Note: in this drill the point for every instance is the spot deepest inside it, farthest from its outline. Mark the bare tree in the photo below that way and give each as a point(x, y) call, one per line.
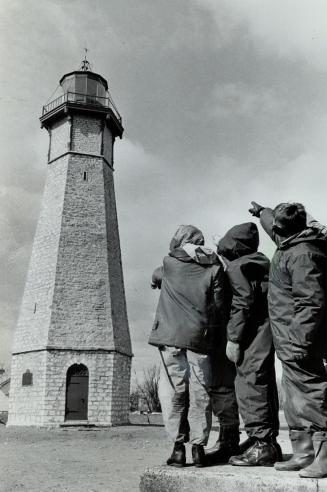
point(148, 388)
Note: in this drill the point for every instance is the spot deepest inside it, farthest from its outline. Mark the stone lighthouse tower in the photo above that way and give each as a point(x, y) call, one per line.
point(72, 351)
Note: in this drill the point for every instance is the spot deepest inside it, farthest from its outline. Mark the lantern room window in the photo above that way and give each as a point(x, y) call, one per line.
point(91, 87)
point(80, 84)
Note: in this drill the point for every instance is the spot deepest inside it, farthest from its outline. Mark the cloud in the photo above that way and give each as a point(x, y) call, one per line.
point(223, 102)
point(284, 28)
point(238, 99)
point(213, 198)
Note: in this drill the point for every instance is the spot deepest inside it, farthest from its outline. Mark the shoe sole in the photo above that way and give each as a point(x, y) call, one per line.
point(250, 464)
point(313, 476)
point(176, 465)
point(294, 468)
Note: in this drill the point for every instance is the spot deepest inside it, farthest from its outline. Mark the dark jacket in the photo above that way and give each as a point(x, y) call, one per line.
point(297, 292)
point(247, 271)
point(191, 303)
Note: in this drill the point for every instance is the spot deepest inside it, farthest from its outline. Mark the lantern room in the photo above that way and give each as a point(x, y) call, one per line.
point(85, 86)
point(83, 91)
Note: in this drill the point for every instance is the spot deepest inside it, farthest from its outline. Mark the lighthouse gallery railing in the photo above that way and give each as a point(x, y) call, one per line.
point(78, 98)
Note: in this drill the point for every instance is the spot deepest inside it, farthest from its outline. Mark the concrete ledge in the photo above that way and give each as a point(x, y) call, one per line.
point(226, 479)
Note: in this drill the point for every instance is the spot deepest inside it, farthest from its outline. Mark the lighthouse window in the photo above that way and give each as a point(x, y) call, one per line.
point(91, 87)
point(80, 84)
point(101, 91)
point(27, 379)
point(85, 176)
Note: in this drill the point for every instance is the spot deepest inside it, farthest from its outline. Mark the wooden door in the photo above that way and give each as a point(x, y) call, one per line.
point(77, 388)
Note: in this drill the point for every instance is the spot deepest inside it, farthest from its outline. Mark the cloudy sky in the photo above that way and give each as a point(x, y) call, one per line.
point(223, 102)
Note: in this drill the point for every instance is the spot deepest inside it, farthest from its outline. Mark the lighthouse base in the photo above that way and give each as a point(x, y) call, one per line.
point(54, 387)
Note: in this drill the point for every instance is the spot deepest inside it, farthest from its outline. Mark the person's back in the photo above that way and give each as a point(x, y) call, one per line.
point(250, 345)
point(297, 307)
point(187, 312)
point(191, 281)
point(291, 282)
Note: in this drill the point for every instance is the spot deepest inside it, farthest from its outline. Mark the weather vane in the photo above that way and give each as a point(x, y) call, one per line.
point(86, 66)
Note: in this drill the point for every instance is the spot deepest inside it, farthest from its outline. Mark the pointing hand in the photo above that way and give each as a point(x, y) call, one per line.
point(256, 209)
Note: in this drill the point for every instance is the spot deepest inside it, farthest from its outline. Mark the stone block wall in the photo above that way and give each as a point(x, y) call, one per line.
point(26, 403)
point(59, 138)
point(116, 279)
point(83, 134)
point(36, 308)
point(100, 367)
point(43, 403)
point(108, 145)
point(88, 308)
point(121, 389)
point(74, 293)
point(86, 134)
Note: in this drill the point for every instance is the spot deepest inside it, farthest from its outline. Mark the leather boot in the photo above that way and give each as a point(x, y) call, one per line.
point(246, 445)
point(198, 455)
point(318, 468)
point(226, 445)
point(303, 452)
point(178, 456)
point(261, 453)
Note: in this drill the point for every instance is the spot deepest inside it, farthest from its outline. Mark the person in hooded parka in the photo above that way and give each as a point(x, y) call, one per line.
point(250, 345)
point(297, 308)
point(188, 316)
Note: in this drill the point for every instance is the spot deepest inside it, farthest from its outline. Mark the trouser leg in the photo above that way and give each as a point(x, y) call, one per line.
point(255, 385)
point(305, 390)
point(273, 400)
point(174, 393)
point(200, 413)
point(222, 391)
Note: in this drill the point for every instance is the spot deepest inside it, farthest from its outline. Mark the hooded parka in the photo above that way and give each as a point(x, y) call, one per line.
point(189, 313)
point(191, 304)
point(256, 390)
point(297, 308)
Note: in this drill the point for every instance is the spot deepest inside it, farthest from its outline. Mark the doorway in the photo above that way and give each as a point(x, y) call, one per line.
point(77, 389)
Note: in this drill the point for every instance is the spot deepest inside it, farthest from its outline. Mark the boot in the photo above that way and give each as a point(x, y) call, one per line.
point(246, 445)
point(261, 453)
point(303, 452)
point(178, 456)
point(225, 447)
point(318, 468)
point(198, 455)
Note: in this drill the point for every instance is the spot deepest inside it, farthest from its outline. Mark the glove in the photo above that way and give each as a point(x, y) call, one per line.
point(233, 351)
point(156, 278)
point(256, 209)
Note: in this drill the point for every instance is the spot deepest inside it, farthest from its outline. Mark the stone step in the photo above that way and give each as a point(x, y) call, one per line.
point(226, 478)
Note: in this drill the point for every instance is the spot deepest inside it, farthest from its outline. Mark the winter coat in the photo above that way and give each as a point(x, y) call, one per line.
point(191, 304)
point(297, 292)
point(247, 271)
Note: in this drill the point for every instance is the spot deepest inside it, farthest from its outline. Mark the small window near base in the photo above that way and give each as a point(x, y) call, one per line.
point(27, 379)
point(85, 176)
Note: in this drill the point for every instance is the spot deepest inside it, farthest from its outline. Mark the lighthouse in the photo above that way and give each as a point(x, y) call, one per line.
point(71, 360)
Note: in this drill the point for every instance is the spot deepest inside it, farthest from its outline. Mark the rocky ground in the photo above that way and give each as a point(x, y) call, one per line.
point(83, 460)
